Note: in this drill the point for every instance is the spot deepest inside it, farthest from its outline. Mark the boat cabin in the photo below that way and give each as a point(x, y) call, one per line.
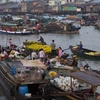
point(12, 28)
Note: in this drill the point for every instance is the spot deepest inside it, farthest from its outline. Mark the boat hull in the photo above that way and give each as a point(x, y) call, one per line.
point(68, 32)
point(15, 33)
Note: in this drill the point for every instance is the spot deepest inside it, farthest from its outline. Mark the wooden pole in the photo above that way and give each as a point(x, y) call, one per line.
point(94, 89)
point(71, 85)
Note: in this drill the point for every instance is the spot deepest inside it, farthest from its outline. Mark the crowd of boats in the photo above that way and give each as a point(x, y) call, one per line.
point(30, 24)
point(25, 76)
point(28, 78)
point(35, 24)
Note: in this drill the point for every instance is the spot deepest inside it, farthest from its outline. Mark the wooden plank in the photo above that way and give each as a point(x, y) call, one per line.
point(33, 63)
point(71, 98)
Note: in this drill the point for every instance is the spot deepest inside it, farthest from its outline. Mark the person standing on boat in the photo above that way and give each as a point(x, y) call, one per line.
point(59, 52)
point(80, 46)
point(41, 40)
point(53, 46)
point(37, 28)
point(34, 55)
point(41, 55)
point(11, 44)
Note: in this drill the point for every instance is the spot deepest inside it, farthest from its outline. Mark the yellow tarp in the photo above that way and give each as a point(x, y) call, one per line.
point(93, 53)
point(90, 53)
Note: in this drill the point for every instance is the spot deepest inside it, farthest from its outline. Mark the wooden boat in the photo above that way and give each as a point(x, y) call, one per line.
point(13, 29)
point(85, 53)
point(22, 85)
point(27, 88)
point(90, 78)
point(87, 81)
point(61, 28)
point(68, 32)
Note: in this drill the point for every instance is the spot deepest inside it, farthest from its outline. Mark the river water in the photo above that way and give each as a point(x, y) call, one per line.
point(88, 35)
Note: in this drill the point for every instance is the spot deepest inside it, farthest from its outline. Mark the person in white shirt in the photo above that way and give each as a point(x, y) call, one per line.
point(17, 54)
point(41, 55)
point(34, 55)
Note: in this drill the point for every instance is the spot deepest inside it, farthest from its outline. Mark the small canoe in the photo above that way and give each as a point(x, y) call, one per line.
point(85, 53)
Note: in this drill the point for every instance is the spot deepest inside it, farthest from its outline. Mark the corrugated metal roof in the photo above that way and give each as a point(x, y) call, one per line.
point(93, 2)
point(80, 0)
point(32, 0)
point(71, 4)
point(14, 6)
point(96, 1)
point(10, 5)
point(91, 78)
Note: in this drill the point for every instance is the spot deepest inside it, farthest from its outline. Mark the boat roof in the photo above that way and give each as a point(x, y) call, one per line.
point(7, 24)
point(32, 19)
point(16, 18)
point(89, 77)
point(33, 63)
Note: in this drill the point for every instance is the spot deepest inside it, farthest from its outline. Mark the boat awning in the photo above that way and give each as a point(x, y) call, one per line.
point(33, 63)
point(91, 78)
point(33, 19)
point(16, 18)
point(8, 24)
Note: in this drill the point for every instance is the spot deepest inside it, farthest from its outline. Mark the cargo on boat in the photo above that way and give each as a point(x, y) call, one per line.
point(85, 53)
point(59, 27)
point(25, 79)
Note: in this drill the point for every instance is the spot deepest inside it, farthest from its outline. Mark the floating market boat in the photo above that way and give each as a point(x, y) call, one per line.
point(90, 78)
point(85, 53)
point(62, 28)
point(22, 80)
point(13, 29)
point(80, 84)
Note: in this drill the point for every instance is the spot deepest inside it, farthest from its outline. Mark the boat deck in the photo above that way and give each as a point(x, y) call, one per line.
point(4, 96)
point(57, 92)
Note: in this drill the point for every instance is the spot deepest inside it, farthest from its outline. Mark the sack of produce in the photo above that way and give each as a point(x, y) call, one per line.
point(97, 53)
point(75, 47)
